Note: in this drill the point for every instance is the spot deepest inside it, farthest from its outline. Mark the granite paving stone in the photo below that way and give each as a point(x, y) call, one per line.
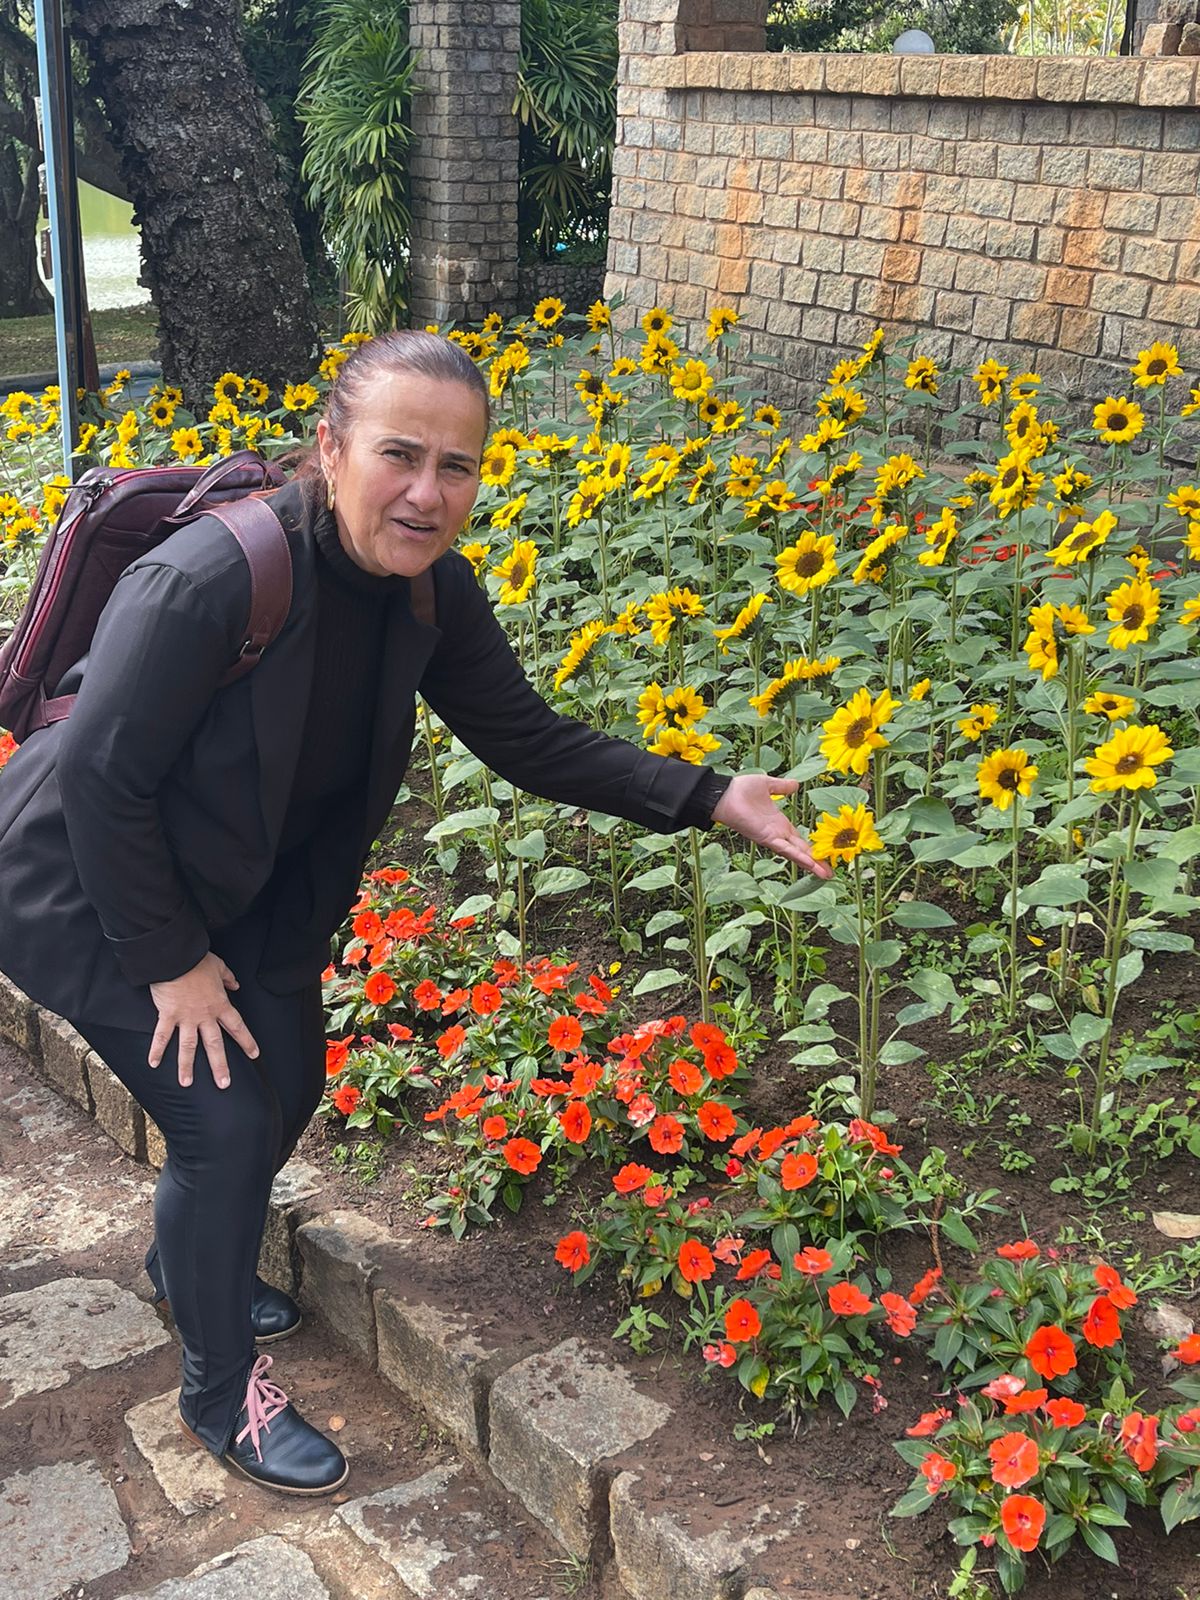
point(69, 1322)
point(262, 1569)
point(59, 1525)
point(191, 1479)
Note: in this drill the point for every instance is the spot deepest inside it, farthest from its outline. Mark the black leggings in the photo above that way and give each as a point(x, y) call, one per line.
point(224, 1147)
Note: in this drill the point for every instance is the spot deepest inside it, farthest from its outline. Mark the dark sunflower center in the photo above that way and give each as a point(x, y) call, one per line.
point(1128, 763)
point(1011, 478)
point(809, 564)
point(845, 840)
point(1010, 778)
point(857, 732)
point(519, 573)
point(1117, 420)
point(1134, 615)
point(1156, 367)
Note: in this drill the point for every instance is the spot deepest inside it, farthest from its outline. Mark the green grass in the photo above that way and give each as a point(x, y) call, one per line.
point(125, 334)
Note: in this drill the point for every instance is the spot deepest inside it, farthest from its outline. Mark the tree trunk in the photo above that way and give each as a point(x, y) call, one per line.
point(219, 249)
point(22, 293)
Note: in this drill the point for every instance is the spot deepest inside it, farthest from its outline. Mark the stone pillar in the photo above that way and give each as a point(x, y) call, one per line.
point(722, 24)
point(465, 164)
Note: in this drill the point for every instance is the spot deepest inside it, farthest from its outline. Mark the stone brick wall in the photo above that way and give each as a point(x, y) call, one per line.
point(464, 169)
point(576, 286)
point(1043, 211)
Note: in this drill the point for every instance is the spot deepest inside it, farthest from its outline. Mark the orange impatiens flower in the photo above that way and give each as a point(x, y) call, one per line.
point(1014, 1459)
point(631, 1177)
point(379, 988)
point(494, 1127)
point(1050, 1352)
point(575, 1121)
point(1065, 1413)
point(1022, 1518)
point(565, 1033)
point(666, 1134)
point(812, 1261)
point(845, 1300)
point(1109, 1280)
point(1102, 1326)
point(572, 1251)
point(336, 1053)
point(924, 1286)
point(742, 1322)
point(1188, 1350)
point(716, 1120)
point(685, 1078)
point(451, 1041)
point(695, 1261)
point(427, 996)
point(523, 1155)
point(937, 1470)
point(720, 1060)
point(901, 1314)
point(797, 1171)
point(928, 1423)
point(756, 1262)
point(346, 1098)
point(486, 998)
point(1139, 1440)
point(1016, 1405)
point(1019, 1250)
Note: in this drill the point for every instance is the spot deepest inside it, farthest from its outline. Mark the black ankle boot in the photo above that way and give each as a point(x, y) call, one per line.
point(273, 1314)
point(273, 1446)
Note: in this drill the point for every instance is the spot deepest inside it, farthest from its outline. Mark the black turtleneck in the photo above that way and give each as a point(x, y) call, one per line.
point(351, 618)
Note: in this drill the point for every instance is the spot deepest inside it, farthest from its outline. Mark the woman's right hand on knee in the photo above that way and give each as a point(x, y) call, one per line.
point(198, 1006)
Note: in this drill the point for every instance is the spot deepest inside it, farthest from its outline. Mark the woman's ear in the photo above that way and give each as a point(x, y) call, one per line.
point(327, 449)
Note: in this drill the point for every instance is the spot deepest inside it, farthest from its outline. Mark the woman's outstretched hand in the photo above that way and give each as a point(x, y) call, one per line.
point(198, 1005)
point(748, 807)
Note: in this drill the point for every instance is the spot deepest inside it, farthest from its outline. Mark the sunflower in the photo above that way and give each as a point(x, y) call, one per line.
point(701, 475)
point(229, 386)
point(920, 690)
point(626, 624)
point(510, 436)
point(777, 691)
point(1191, 540)
point(548, 311)
point(808, 564)
point(939, 536)
point(1049, 626)
point(585, 502)
point(827, 433)
point(852, 733)
point(663, 609)
point(257, 392)
point(598, 316)
point(1017, 485)
point(657, 321)
point(989, 378)
point(846, 836)
point(54, 494)
point(652, 709)
point(656, 478)
point(330, 365)
point(730, 419)
point(1070, 483)
point(1003, 776)
point(1192, 405)
point(1139, 559)
point(1022, 425)
point(476, 553)
point(770, 417)
point(1118, 421)
point(1128, 759)
point(744, 477)
point(843, 403)
point(491, 324)
point(873, 348)
point(685, 744)
point(1185, 500)
point(161, 412)
point(299, 397)
point(1155, 365)
point(872, 564)
point(517, 573)
point(498, 465)
point(1024, 386)
point(504, 516)
point(777, 497)
point(1083, 539)
point(845, 371)
point(1116, 707)
point(745, 625)
point(710, 410)
point(922, 374)
point(1191, 611)
point(720, 320)
point(579, 648)
point(622, 367)
point(982, 717)
point(186, 444)
point(1134, 608)
point(691, 381)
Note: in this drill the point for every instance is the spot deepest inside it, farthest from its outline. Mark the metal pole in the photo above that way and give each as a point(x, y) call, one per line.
point(62, 201)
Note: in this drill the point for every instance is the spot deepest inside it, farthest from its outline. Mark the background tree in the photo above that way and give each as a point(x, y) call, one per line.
point(957, 27)
point(219, 249)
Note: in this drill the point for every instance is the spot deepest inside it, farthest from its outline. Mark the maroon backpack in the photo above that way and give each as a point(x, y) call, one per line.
point(108, 520)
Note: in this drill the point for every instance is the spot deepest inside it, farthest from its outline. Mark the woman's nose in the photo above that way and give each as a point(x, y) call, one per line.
point(424, 491)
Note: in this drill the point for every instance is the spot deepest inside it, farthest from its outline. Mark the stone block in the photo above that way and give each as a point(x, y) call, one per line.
point(556, 1419)
point(261, 1569)
point(1179, 218)
point(1189, 39)
point(1079, 331)
point(1169, 83)
point(1067, 288)
point(1066, 167)
point(1117, 80)
point(1092, 248)
point(19, 1020)
point(340, 1254)
point(1010, 77)
point(1161, 39)
point(1131, 213)
point(115, 1109)
point(960, 77)
point(660, 1555)
point(806, 73)
point(844, 74)
point(297, 1187)
point(920, 76)
point(1172, 174)
point(1114, 293)
point(191, 1479)
point(1177, 304)
point(1150, 258)
point(1115, 169)
point(59, 1526)
point(64, 1053)
point(1062, 78)
point(70, 1322)
point(881, 75)
point(1036, 324)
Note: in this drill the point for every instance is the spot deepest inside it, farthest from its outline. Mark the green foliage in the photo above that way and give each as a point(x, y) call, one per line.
point(972, 27)
point(567, 106)
point(355, 109)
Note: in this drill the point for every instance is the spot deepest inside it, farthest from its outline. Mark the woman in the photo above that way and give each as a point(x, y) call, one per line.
point(177, 855)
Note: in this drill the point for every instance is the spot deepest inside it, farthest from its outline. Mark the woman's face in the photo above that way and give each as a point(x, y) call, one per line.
point(408, 473)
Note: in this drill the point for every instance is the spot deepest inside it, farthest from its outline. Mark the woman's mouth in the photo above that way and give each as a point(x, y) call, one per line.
point(416, 530)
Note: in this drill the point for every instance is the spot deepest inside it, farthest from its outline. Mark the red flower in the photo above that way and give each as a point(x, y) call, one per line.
point(572, 1251)
point(901, 1316)
point(599, 988)
point(575, 1121)
point(724, 1355)
point(685, 1078)
point(336, 1053)
point(1017, 1405)
point(1121, 1295)
point(720, 1061)
point(522, 1155)
point(346, 1098)
point(867, 1132)
point(399, 1032)
point(1019, 1250)
point(655, 1194)
point(754, 1263)
point(452, 1000)
point(770, 1142)
point(451, 1040)
point(486, 998)
point(1050, 1352)
point(742, 1322)
point(847, 1301)
point(717, 1121)
point(642, 1110)
point(505, 972)
point(368, 925)
point(1022, 1518)
point(812, 1261)
point(937, 1470)
point(632, 1176)
point(924, 1287)
point(1065, 1413)
point(728, 1250)
point(565, 1033)
point(427, 996)
point(801, 1127)
point(733, 1168)
point(1188, 1350)
point(1139, 1439)
point(586, 1077)
point(379, 988)
point(1003, 1387)
point(1102, 1326)
point(587, 1004)
point(666, 1134)
point(705, 1034)
point(929, 1422)
point(797, 1171)
point(389, 875)
point(494, 1127)
point(1014, 1459)
point(695, 1261)
point(745, 1142)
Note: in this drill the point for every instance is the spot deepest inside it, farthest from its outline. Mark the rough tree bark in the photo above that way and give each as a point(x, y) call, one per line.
point(21, 291)
point(219, 249)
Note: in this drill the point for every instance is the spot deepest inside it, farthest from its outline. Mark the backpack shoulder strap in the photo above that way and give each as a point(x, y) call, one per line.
point(422, 598)
point(260, 533)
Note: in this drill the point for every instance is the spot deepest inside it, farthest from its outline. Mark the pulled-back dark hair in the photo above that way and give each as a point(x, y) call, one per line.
point(404, 350)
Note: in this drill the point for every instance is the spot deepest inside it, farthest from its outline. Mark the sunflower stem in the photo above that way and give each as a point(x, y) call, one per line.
point(1014, 881)
point(866, 1074)
point(699, 924)
point(1116, 939)
point(435, 779)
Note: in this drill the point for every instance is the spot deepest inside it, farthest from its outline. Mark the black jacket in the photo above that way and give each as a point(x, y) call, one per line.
point(152, 816)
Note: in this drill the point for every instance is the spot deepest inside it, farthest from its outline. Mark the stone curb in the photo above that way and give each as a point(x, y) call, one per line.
point(548, 1425)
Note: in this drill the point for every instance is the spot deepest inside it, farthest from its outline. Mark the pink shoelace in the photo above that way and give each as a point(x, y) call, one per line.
point(264, 1401)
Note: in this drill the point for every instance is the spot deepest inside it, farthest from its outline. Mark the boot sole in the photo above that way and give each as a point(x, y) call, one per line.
point(163, 1307)
point(262, 1483)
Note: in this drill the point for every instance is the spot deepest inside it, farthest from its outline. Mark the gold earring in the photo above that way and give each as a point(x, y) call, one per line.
point(329, 494)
